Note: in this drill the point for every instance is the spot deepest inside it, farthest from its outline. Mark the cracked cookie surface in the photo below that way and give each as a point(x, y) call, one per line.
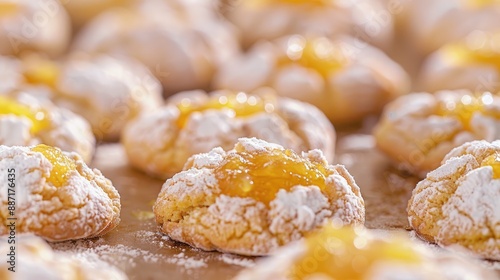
point(160, 142)
point(360, 254)
point(416, 131)
point(457, 204)
point(238, 202)
point(57, 196)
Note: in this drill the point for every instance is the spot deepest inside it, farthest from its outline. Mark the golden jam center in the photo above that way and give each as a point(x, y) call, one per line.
point(345, 253)
point(260, 175)
point(481, 3)
point(39, 118)
point(461, 54)
point(9, 9)
point(465, 108)
point(38, 70)
point(62, 166)
point(239, 105)
point(319, 54)
point(493, 161)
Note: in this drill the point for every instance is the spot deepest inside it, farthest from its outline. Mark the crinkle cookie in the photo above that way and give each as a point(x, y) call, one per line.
point(57, 196)
point(431, 24)
point(473, 63)
point(36, 260)
point(345, 78)
point(270, 19)
point(40, 26)
point(255, 198)
point(417, 130)
point(358, 254)
point(107, 91)
point(457, 204)
point(27, 118)
point(160, 142)
point(181, 42)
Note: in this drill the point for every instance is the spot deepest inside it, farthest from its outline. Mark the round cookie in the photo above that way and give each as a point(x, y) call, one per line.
point(33, 26)
point(255, 198)
point(181, 42)
point(456, 205)
point(473, 63)
point(107, 91)
point(160, 142)
point(431, 24)
point(345, 78)
point(271, 19)
point(359, 254)
point(416, 131)
point(27, 117)
point(57, 196)
point(36, 260)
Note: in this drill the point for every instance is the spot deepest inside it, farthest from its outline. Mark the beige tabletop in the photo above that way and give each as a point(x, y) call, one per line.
point(137, 248)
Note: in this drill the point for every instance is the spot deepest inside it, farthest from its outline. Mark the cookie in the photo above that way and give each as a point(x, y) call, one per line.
point(456, 204)
point(106, 91)
point(28, 118)
point(416, 131)
point(181, 42)
point(473, 63)
point(57, 197)
point(269, 19)
point(36, 260)
point(255, 198)
point(345, 78)
point(160, 142)
point(357, 253)
point(432, 24)
point(27, 26)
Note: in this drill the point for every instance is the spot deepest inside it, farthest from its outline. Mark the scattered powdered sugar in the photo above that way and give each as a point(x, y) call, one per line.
point(187, 262)
point(96, 251)
point(235, 260)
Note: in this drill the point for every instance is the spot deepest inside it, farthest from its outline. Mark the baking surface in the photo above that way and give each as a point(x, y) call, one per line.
point(137, 248)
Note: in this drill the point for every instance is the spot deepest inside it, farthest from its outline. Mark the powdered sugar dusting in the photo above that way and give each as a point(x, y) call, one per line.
point(456, 205)
point(256, 145)
point(191, 209)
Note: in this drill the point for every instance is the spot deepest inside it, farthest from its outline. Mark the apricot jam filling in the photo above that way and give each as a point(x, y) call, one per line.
point(62, 166)
point(320, 54)
point(461, 54)
point(260, 175)
point(38, 117)
point(494, 162)
point(348, 253)
point(9, 9)
point(240, 105)
point(38, 70)
point(478, 4)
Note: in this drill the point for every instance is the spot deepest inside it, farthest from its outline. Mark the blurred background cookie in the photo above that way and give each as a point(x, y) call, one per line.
point(28, 117)
point(182, 43)
point(160, 142)
point(417, 130)
point(39, 26)
point(345, 78)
